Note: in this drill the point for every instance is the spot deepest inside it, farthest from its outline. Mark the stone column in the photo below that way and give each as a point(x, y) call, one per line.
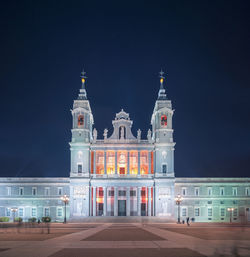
point(153, 202)
point(116, 162)
point(105, 201)
point(94, 201)
point(90, 201)
point(139, 163)
point(149, 162)
point(139, 201)
point(128, 164)
point(115, 201)
point(128, 201)
point(94, 162)
point(105, 163)
point(156, 200)
point(149, 201)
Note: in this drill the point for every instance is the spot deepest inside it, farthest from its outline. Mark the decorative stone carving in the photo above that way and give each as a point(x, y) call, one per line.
point(122, 133)
point(149, 136)
point(139, 135)
point(80, 191)
point(105, 134)
point(94, 135)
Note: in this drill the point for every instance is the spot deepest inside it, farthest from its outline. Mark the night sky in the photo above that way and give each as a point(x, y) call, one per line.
point(203, 45)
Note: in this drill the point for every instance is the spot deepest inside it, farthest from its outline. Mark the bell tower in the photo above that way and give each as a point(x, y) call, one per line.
point(81, 132)
point(161, 122)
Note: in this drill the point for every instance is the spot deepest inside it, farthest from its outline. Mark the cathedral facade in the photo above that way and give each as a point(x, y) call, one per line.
point(122, 174)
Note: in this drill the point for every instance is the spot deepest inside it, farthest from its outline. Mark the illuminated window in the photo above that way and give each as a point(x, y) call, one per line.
point(59, 212)
point(20, 190)
point(209, 212)
point(99, 162)
point(234, 191)
point(59, 190)
point(79, 168)
point(34, 191)
point(20, 212)
point(164, 169)
point(80, 121)
point(46, 211)
point(144, 162)
point(46, 191)
point(163, 120)
point(152, 162)
point(122, 162)
point(33, 212)
point(132, 193)
point(110, 155)
point(184, 211)
point(197, 212)
point(197, 191)
point(133, 162)
point(8, 212)
point(222, 212)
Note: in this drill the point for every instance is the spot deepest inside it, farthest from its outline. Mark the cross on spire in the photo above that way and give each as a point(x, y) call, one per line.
point(83, 74)
point(161, 74)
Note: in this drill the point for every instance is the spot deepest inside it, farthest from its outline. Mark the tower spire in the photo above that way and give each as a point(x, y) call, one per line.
point(83, 94)
point(162, 92)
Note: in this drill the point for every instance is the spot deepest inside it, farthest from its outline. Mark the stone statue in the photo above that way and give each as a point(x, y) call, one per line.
point(122, 133)
point(94, 135)
point(139, 135)
point(105, 134)
point(149, 135)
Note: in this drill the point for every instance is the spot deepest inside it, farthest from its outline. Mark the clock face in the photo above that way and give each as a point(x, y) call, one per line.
point(163, 120)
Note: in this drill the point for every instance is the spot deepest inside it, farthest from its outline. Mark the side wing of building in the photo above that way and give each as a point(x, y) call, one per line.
point(214, 199)
point(33, 197)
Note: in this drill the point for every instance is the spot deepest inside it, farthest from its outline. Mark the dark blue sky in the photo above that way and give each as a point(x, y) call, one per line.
point(204, 46)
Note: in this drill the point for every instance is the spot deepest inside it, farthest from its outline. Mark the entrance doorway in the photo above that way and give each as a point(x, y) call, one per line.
point(100, 209)
point(122, 171)
point(143, 209)
point(121, 207)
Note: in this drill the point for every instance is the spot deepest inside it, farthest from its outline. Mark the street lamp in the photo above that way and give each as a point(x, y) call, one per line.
point(178, 201)
point(14, 210)
point(231, 213)
point(65, 199)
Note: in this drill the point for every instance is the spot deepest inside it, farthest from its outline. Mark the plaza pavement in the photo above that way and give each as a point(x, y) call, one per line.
point(133, 240)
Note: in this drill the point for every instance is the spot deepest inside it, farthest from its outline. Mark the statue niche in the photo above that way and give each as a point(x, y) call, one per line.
point(122, 133)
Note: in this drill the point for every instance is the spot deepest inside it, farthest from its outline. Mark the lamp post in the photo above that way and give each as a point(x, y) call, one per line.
point(14, 210)
point(231, 213)
point(178, 201)
point(65, 199)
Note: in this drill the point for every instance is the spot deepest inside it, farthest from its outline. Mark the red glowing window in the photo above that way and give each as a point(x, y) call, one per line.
point(80, 120)
point(164, 120)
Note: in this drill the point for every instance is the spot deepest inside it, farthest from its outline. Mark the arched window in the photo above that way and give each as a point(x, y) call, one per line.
point(80, 120)
point(164, 120)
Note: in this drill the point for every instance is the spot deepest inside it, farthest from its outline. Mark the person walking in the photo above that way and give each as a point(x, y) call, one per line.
point(188, 224)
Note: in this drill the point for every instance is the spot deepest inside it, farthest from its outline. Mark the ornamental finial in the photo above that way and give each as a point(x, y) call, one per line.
point(83, 77)
point(162, 77)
